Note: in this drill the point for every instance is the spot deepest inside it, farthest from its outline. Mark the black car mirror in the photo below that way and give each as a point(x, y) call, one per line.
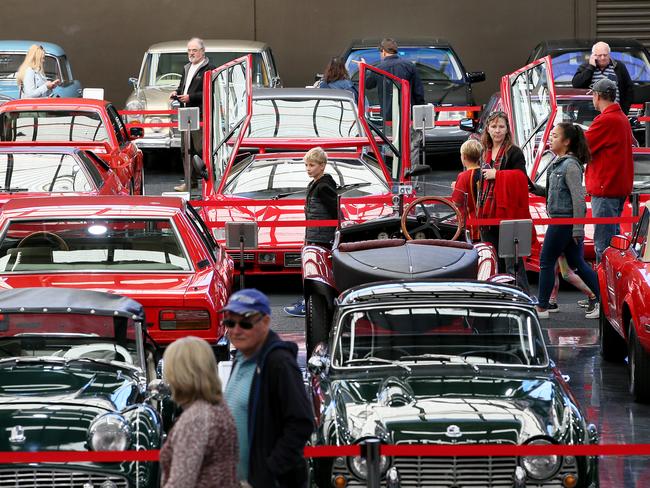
point(467, 124)
point(276, 82)
point(476, 76)
point(199, 166)
point(134, 82)
point(136, 132)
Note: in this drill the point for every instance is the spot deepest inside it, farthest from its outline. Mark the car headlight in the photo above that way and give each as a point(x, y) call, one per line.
point(452, 115)
point(109, 432)
point(541, 467)
point(135, 105)
point(359, 467)
point(156, 120)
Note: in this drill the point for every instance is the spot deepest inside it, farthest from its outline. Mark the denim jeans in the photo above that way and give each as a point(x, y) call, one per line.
point(605, 207)
point(559, 239)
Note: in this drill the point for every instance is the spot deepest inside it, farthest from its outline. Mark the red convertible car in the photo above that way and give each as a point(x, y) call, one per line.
point(624, 278)
point(40, 169)
point(95, 123)
point(256, 141)
point(155, 250)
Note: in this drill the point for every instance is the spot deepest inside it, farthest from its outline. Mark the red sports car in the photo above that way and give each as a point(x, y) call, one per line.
point(624, 278)
point(256, 141)
point(40, 169)
point(95, 123)
point(155, 250)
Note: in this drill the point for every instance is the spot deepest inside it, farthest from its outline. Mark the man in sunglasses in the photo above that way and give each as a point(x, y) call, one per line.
point(266, 396)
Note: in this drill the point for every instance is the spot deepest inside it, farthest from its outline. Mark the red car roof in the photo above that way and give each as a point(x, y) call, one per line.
point(54, 104)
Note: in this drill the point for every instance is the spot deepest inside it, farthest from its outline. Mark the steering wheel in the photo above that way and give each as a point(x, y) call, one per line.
point(48, 236)
point(495, 355)
point(89, 351)
point(376, 352)
point(175, 76)
point(430, 221)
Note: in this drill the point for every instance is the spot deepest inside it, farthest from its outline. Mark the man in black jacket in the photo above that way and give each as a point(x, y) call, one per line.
point(266, 396)
point(601, 65)
point(190, 93)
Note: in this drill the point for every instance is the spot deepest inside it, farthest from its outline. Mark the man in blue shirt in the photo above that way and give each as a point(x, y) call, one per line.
point(266, 396)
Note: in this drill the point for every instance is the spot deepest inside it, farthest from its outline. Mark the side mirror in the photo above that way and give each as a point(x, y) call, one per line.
point(134, 82)
point(276, 82)
point(318, 77)
point(158, 390)
point(476, 76)
point(467, 124)
point(418, 170)
point(318, 365)
point(136, 132)
point(199, 167)
point(622, 243)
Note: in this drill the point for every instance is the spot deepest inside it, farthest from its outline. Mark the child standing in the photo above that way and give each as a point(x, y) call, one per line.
point(464, 194)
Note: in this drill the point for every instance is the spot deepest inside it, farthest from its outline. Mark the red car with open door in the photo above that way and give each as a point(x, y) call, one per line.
point(94, 123)
point(255, 141)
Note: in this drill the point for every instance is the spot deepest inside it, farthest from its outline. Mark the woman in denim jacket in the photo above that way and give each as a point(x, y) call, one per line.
point(565, 197)
point(31, 78)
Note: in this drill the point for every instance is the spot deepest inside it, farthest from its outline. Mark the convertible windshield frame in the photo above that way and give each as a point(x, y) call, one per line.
point(532, 342)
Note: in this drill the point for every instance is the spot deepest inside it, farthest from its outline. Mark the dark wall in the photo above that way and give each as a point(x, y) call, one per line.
point(105, 39)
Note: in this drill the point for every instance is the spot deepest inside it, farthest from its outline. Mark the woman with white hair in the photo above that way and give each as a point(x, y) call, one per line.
point(31, 78)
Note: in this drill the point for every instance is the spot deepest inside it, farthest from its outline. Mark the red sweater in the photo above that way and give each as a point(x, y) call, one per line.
point(464, 196)
point(611, 170)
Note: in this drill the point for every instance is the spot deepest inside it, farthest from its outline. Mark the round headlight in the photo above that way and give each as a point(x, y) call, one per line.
point(109, 432)
point(359, 467)
point(135, 105)
point(541, 467)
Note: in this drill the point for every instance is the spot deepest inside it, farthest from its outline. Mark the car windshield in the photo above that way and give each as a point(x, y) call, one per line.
point(566, 63)
point(67, 337)
point(265, 178)
point(84, 245)
point(53, 125)
point(304, 118)
point(10, 62)
point(576, 111)
point(439, 334)
point(164, 70)
point(42, 172)
point(433, 64)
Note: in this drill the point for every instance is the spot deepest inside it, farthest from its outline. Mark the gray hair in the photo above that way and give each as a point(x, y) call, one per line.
point(601, 43)
point(199, 41)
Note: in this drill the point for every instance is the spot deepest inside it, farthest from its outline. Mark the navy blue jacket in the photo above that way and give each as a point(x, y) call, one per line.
point(401, 68)
point(280, 418)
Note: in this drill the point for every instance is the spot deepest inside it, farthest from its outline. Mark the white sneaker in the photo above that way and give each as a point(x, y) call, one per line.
point(594, 313)
point(541, 314)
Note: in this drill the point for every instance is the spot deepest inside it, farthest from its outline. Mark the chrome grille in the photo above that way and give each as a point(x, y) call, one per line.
point(46, 478)
point(248, 256)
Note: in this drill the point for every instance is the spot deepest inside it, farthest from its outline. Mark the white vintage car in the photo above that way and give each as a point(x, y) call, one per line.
point(160, 74)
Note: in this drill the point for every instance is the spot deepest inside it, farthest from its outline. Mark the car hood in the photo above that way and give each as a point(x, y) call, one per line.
point(55, 405)
point(155, 98)
point(458, 409)
point(445, 92)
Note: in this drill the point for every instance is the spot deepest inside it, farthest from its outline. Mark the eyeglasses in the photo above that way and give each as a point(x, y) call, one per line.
point(243, 324)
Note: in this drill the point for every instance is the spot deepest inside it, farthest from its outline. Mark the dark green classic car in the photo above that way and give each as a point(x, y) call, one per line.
point(74, 372)
point(426, 362)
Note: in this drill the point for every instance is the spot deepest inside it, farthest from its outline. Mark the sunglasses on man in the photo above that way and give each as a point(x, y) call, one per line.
point(246, 324)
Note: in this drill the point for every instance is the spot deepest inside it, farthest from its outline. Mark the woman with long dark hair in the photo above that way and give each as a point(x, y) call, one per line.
point(565, 197)
point(337, 76)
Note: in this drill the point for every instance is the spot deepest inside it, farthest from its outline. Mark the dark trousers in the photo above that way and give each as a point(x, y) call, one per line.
point(506, 265)
point(196, 148)
point(557, 241)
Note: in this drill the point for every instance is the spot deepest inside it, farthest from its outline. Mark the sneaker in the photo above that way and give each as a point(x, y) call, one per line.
point(296, 310)
point(553, 307)
point(593, 310)
point(541, 313)
point(583, 303)
point(182, 187)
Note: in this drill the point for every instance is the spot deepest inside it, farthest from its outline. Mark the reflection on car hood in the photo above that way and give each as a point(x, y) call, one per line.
point(422, 409)
point(55, 405)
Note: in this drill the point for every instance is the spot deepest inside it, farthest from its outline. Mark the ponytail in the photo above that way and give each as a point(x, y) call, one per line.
point(577, 141)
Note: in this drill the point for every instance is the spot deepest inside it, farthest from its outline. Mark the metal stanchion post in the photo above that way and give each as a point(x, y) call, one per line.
point(186, 160)
point(647, 124)
point(370, 452)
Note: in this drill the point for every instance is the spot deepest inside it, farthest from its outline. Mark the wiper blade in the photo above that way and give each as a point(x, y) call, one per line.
point(373, 359)
point(288, 193)
point(350, 186)
point(443, 359)
point(14, 189)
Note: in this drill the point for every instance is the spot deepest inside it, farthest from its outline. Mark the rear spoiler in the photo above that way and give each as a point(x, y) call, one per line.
point(77, 144)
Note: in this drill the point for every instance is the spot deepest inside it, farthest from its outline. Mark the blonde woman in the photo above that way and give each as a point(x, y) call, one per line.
point(31, 79)
point(201, 449)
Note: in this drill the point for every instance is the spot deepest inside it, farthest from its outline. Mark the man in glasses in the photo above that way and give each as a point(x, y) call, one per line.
point(266, 396)
point(190, 94)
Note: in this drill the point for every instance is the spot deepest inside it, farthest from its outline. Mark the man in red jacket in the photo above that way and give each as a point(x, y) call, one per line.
point(610, 174)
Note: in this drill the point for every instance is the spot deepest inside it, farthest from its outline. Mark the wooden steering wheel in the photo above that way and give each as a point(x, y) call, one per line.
point(43, 234)
point(431, 222)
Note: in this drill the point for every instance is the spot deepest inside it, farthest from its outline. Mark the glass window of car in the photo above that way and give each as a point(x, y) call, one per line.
point(54, 125)
point(66, 71)
point(42, 172)
point(304, 118)
point(202, 231)
point(641, 234)
point(268, 178)
point(10, 63)
point(566, 63)
point(432, 63)
point(576, 111)
point(451, 334)
point(118, 125)
point(139, 245)
point(96, 169)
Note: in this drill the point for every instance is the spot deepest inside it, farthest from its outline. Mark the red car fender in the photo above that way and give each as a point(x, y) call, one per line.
point(602, 285)
point(317, 267)
point(487, 260)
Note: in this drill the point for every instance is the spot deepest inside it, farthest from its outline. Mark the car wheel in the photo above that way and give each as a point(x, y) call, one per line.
point(316, 322)
point(639, 361)
point(612, 345)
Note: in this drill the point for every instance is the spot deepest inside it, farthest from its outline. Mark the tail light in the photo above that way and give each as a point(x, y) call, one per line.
point(184, 319)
